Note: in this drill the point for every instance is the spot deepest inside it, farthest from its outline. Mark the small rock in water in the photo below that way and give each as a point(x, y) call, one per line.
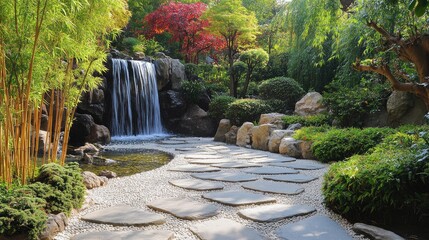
point(108, 174)
point(100, 161)
point(87, 159)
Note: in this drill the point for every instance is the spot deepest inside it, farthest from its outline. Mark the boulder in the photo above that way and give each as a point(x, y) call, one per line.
point(276, 138)
point(169, 72)
point(196, 122)
point(244, 134)
point(172, 104)
point(54, 225)
point(80, 129)
point(306, 152)
point(98, 134)
point(108, 174)
point(310, 104)
point(87, 148)
point(290, 147)
point(272, 118)
point(204, 101)
point(231, 135)
point(43, 142)
point(44, 122)
point(398, 104)
point(177, 74)
point(261, 136)
point(294, 126)
point(374, 232)
point(87, 158)
point(222, 129)
point(92, 181)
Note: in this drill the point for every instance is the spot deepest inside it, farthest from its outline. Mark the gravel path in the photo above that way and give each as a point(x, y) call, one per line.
point(140, 189)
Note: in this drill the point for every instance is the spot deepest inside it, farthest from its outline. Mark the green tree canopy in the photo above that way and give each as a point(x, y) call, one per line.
point(253, 58)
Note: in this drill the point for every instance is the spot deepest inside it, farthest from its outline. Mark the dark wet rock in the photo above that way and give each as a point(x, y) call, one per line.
point(98, 134)
point(375, 233)
point(108, 174)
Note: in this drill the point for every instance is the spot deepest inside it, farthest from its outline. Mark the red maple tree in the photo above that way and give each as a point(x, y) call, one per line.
point(183, 21)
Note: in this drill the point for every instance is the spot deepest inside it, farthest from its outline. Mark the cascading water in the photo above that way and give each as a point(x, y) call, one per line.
point(135, 105)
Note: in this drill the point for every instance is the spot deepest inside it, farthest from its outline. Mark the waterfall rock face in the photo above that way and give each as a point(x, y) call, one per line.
point(169, 72)
point(134, 99)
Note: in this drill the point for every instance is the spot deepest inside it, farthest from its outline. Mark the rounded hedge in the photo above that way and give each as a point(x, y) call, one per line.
point(219, 105)
point(282, 88)
point(246, 110)
point(192, 90)
point(389, 184)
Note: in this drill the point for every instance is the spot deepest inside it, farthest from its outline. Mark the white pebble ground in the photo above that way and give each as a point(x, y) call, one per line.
point(140, 189)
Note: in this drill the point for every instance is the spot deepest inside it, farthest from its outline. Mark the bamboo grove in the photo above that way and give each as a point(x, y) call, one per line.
point(50, 52)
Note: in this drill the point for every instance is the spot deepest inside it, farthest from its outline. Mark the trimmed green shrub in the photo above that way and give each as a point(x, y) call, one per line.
point(192, 90)
point(277, 106)
point(21, 212)
point(246, 110)
point(389, 184)
point(67, 180)
point(282, 88)
point(339, 144)
point(306, 121)
point(219, 105)
point(351, 105)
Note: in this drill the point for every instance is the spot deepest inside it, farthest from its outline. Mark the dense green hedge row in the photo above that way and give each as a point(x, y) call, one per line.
point(390, 183)
point(306, 121)
point(24, 209)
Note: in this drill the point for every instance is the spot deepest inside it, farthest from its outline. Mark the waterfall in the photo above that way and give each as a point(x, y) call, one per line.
point(135, 105)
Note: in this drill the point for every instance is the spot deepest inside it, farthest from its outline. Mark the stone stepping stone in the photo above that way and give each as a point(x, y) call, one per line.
point(202, 156)
point(224, 229)
point(238, 198)
point(271, 170)
point(294, 178)
point(219, 148)
point(186, 149)
point(185, 208)
point(239, 152)
point(272, 160)
point(172, 142)
point(275, 212)
point(274, 187)
point(301, 165)
point(318, 227)
point(193, 168)
point(235, 165)
point(124, 216)
point(184, 139)
point(225, 176)
point(130, 235)
point(208, 161)
point(197, 185)
point(251, 156)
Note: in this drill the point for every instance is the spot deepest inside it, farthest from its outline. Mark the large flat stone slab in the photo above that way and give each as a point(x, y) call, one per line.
point(131, 235)
point(226, 176)
point(172, 142)
point(124, 216)
point(274, 187)
point(187, 149)
point(268, 170)
point(293, 178)
point(275, 212)
point(225, 229)
point(235, 164)
point(272, 160)
point(318, 227)
point(202, 156)
point(208, 161)
point(197, 185)
point(238, 198)
point(301, 165)
point(185, 208)
point(193, 168)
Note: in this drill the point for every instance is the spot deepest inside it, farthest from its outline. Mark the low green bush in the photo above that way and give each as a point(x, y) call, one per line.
point(66, 183)
point(21, 212)
point(339, 144)
point(281, 88)
point(218, 107)
point(192, 90)
point(277, 106)
point(306, 121)
point(246, 110)
point(389, 184)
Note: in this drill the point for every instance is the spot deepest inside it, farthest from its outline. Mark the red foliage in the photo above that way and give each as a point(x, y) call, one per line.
point(183, 21)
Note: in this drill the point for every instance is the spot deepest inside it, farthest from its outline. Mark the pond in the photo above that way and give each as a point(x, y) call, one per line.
point(128, 162)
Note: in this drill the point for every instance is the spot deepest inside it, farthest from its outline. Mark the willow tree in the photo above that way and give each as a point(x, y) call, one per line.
point(238, 28)
point(400, 50)
point(48, 48)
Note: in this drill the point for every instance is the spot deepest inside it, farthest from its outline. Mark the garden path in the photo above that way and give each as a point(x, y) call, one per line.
point(212, 191)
